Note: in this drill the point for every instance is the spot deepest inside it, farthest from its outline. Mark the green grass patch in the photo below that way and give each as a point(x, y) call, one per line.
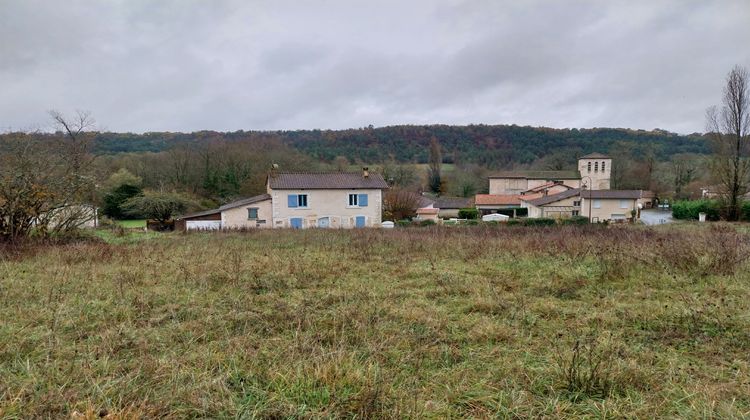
point(132, 224)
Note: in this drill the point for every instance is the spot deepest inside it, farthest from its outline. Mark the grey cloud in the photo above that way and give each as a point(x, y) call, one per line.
point(139, 65)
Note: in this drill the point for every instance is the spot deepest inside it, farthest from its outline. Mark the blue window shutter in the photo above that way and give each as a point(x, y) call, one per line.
point(359, 221)
point(362, 200)
point(296, 223)
point(292, 200)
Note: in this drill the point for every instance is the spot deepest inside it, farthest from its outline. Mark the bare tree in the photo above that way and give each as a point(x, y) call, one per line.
point(728, 129)
point(44, 179)
point(683, 170)
point(400, 204)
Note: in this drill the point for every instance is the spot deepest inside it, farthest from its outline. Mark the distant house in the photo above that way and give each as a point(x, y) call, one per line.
point(249, 213)
point(517, 182)
point(615, 205)
point(594, 170)
point(428, 213)
point(449, 206)
point(510, 203)
point(560, 205)
point(492, 203)
point(326, 199)
point(202, 220)
point(301, 200)
point(559, 194)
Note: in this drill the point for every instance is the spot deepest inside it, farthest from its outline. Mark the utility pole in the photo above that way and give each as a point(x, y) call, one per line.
point(584, 186)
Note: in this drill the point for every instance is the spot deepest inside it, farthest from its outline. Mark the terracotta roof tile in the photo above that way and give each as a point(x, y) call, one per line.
point(497, 200)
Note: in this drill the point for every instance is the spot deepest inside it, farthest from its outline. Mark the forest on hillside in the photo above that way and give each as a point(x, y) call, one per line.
point(491, 146)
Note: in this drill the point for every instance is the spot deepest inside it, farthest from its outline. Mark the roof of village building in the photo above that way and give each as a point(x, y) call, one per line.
point(423, 200)
point(452, 202)
point(547, 186)
point(326, 180)
point(428, 210)
point(233, 204)
point(245, 201)
point(595, 156)
point(502, 199)
point(198, 214)
point(545, 175)
point(547, 199)
point(633, 194)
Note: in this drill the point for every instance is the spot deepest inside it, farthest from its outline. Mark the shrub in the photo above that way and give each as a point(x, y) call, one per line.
point(513, 222)
point(588, 369)
point(468, 213)
point(575, 220)
point(541, 221)
point(403, 222)
point(114, 201)
point(745, 211)
point(427, 223)
point(688, 210)
point(472, 222)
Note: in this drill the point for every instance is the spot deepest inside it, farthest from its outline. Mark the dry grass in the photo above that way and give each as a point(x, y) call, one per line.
point(482, 322)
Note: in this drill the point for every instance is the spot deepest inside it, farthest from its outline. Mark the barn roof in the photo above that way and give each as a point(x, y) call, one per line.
point(245, 201)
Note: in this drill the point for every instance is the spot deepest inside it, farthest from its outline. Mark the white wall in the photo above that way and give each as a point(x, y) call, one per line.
point(236, 218)
point(333, 204)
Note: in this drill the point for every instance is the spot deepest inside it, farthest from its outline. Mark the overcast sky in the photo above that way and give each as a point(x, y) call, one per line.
point(186, 65)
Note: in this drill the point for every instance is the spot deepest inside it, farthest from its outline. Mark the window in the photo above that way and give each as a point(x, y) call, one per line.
point(596, 166)
point(603, 166)
point(575, 213)
point(624, 204)
point(297, 200)
point(589, 166)
point(597, 203)
point(577, 203)
point(357, 200)
point(252, 213)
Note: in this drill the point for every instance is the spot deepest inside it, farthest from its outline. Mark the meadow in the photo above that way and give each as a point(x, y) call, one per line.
point(522, 322)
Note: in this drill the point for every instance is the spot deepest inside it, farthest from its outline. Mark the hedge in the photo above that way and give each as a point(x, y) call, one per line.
point(575, 220)
point(688, 210)
point(468, 213)
point(541, 221)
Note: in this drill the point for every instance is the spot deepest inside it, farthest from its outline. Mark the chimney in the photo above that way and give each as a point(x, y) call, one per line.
point(365, 172)
point(274, 169)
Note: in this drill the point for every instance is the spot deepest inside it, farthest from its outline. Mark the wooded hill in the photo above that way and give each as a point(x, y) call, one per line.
point(493, 146)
